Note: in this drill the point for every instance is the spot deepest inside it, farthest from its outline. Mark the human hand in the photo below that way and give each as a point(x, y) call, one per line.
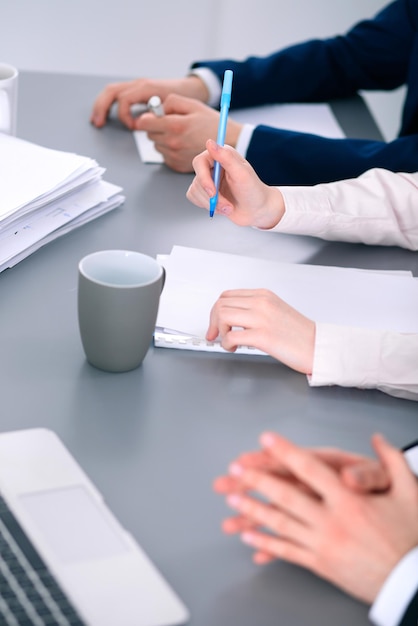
point(359, 473)
point(243, 197)
point(138, 91)
point(260, 319)
point(354, 540)
point(183, 130)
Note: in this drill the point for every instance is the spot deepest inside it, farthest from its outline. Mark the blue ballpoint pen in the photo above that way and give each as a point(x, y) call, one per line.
point(225, 102)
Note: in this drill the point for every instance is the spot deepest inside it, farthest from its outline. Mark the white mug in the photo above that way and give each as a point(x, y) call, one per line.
point(8, 98)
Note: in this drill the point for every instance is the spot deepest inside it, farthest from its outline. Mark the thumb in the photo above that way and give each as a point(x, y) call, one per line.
point(396, 465)
point(367, 476)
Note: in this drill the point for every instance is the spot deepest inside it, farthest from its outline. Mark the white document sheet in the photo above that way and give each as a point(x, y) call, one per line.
point(306, 118)
point(146, 148)
point(195, 279)
point(32, 175)
point(45, 193)
point(33, 231)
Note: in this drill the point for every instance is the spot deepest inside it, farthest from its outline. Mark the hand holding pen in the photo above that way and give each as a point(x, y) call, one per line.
point(225, 103)
point(155, 105)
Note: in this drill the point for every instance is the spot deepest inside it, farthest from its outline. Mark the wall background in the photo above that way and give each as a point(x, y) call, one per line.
point(131, 38)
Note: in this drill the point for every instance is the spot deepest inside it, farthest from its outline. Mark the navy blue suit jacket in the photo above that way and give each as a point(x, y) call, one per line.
point(410, 617)
point(381, 53)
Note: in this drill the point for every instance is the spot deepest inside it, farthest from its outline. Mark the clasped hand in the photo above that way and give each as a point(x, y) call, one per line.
point(259, 318)
point(182, 132)
point(342, 516)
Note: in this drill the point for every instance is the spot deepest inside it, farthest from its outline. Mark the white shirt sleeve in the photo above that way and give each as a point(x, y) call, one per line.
point(401, 585)
point(379, 207)
point(365, 358)
point(397, 591)
point(411, 455)
point(212, 83)
point(244, 139)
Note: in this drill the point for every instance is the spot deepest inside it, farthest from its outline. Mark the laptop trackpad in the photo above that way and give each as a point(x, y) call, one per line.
point(73, 524)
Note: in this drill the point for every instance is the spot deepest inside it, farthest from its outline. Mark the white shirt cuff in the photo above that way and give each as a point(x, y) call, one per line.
point(244, 139)
point(215, 89)
point(212, 83)
point(411, 456)
point(366, 358)
point(346, 356)
point(397, 591)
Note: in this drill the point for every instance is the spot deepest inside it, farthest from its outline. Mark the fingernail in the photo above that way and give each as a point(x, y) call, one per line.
point(247, 538)
point(267, 439)
point(233, 500)
point(235, 469)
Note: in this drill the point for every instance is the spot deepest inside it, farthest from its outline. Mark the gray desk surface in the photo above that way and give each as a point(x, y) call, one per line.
point(154, 439)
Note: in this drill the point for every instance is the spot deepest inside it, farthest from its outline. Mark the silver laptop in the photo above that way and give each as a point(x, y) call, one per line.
point(64, 557)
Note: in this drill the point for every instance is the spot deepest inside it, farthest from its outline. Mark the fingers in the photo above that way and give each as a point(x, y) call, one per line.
point(181, 105)
point(303, 465)
point(366, 477)
point(234, 166)
point(262, 558)
point(259, 459)
point(176, 110)
point(393, 461)
point(237, 524)
point(257, 513)
point(274, 547)
point(231, 309)
point(287, 498)
point(151, 124)
point(102, 104)
point(231, 161)
point(267, 323)
point(125, 94)
point(227, 484)
point(125, 101)
point(202, 188)
point(338, 459)
point(357, 472)
point(231, 339)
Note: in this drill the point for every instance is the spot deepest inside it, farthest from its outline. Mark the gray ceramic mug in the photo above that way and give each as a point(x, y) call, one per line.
point(118, 298)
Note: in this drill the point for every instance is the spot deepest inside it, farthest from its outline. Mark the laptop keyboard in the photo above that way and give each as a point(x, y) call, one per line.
point(29, 595)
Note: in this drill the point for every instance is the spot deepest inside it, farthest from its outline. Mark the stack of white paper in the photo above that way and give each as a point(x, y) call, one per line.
point(351, 297)
point(44, 194)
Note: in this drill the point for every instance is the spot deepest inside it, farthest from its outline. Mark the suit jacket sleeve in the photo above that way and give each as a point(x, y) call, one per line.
point(410, 617)
point(282, 157)
point(375, 54)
